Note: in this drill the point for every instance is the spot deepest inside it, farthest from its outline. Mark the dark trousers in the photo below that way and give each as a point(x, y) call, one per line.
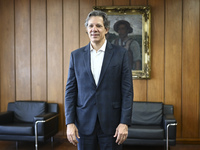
point(98, 140)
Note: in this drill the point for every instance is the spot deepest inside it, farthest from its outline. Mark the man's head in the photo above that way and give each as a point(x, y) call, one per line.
point(97, 26)
point(100, 14)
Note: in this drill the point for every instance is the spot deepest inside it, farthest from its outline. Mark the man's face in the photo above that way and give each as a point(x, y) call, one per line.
point(122, 31)
point(96, 30)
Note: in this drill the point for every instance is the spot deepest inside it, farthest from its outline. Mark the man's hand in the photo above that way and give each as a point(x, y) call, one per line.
point(121, 133)
point(72, 134)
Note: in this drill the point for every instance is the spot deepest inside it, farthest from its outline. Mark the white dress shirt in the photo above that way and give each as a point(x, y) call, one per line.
point(97, 61)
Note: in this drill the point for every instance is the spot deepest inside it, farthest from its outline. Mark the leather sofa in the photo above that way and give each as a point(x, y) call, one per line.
point(153, 123)
point(29, 121)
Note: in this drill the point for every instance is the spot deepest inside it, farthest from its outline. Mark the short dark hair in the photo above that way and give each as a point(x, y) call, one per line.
point(100, 13)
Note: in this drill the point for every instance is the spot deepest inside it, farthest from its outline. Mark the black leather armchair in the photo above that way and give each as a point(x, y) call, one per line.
point(29, 121)
point(153, 123)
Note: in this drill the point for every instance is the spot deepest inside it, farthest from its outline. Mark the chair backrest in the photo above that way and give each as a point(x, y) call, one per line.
point(53, 107)
point(147, 113)
point(24, 111)
point(168, 109)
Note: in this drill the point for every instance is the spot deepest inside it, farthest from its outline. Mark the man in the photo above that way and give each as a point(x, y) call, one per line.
point(99, 91)
point(123, 28)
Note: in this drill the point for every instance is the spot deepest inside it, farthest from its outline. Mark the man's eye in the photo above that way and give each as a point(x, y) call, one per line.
point(99, 26)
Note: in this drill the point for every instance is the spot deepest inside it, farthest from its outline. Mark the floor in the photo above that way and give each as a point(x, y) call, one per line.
point(63, 144)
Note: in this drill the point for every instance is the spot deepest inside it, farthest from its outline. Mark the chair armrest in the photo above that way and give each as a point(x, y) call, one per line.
point(6, 117)
point(45, 116)
point(169, 119)
point(46, 123)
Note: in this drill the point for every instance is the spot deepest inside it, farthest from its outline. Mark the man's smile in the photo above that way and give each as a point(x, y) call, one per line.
point(94, 34)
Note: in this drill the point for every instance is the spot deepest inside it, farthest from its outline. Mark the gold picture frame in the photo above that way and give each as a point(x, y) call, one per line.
point(137, 21)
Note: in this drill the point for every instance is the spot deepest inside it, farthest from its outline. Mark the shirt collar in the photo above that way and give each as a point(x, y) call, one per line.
point(103, 47)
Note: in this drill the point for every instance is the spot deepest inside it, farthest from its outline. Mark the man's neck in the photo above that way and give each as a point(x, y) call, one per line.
point(96, 45)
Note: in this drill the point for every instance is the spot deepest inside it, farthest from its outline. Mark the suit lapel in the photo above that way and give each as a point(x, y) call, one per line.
point(106, 61)
point(88, 63)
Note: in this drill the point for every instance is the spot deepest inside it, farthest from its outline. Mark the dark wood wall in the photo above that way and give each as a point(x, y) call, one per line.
point(37, 37)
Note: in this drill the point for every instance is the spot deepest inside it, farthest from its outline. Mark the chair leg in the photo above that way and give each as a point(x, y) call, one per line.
point(16, 145)
point(36, 145)
point(52, 139)
point(167, 140)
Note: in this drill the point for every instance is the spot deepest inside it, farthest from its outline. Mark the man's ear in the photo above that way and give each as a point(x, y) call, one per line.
point(86, 31)
point(107, 29)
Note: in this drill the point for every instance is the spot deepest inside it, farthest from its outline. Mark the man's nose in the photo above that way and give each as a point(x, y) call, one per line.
point(94, 28)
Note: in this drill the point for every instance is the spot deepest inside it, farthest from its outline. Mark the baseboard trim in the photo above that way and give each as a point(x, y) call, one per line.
point(188, 141)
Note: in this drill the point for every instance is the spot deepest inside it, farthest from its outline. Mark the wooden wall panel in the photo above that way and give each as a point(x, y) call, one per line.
point(139, 2)
point(54, 49)
point(104, 3)
point(156, 83)
point(55, 54)
point(139, 86)
point(7, 66)
point(22, 47)
point(38, 50)
point(122, 3)
point(70, 27)
point(190, 69)
point(173, 55)
point(70, 43)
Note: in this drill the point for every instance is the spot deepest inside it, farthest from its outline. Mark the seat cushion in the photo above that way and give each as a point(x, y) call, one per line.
point(145, 132)
point(26, 110)
point(147, 113)
point(17, 129)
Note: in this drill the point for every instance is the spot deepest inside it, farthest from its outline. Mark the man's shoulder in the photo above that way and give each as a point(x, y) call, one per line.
point(79, 50)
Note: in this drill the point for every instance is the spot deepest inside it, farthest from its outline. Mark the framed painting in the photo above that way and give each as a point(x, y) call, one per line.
point(130, 28)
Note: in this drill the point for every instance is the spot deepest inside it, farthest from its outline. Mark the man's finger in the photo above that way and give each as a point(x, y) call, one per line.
point(77, 135)
point(119, 138)
point(72, 139)
point(116, 132)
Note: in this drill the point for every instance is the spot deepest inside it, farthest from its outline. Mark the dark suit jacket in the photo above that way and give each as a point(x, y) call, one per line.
point(110, 100)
